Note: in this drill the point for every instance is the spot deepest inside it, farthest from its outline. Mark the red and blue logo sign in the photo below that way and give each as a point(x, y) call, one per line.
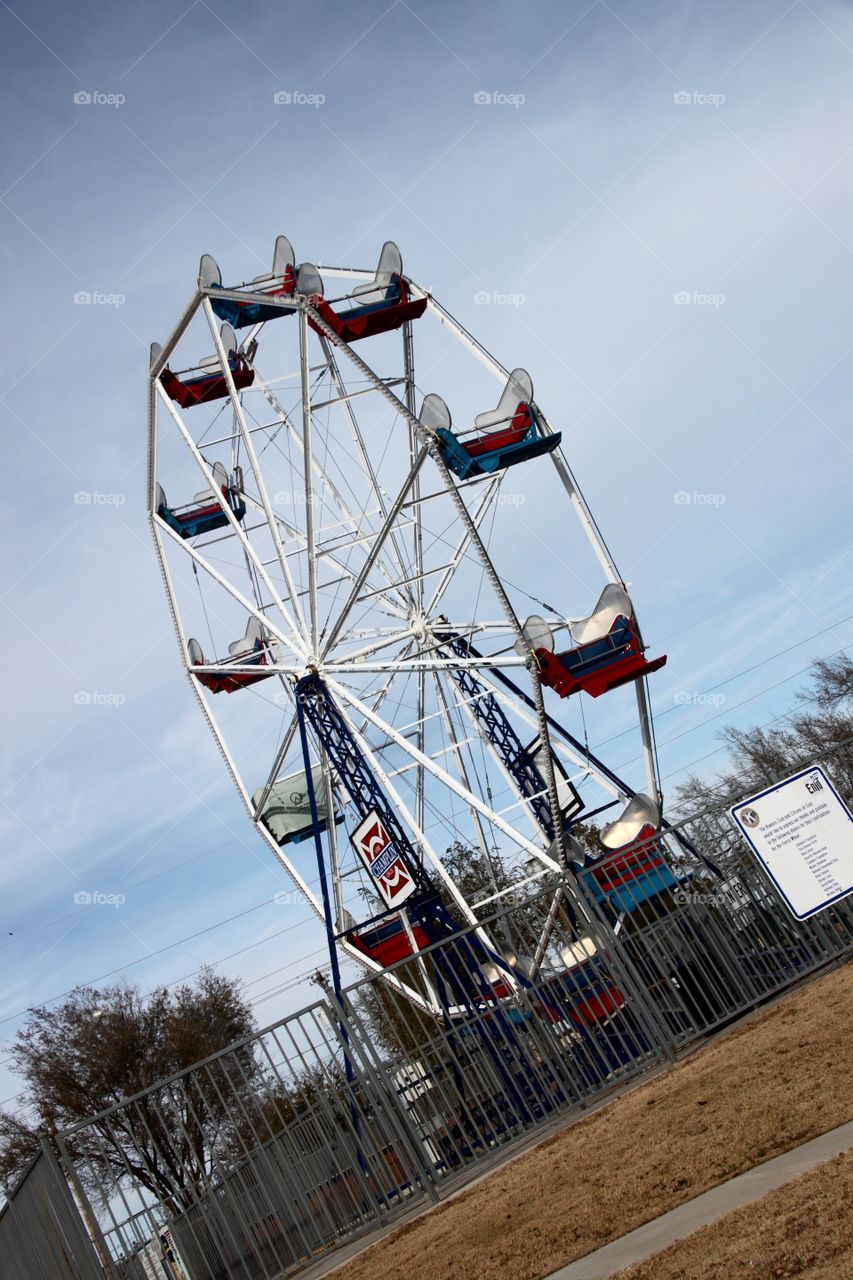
point(374, 846)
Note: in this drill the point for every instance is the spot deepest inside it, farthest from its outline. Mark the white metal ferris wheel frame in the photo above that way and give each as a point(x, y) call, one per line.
point(300, 637)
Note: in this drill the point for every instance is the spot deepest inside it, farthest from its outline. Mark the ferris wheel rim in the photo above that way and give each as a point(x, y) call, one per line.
point(310, 641)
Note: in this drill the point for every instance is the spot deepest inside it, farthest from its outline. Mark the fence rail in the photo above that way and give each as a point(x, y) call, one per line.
point(347, 1115)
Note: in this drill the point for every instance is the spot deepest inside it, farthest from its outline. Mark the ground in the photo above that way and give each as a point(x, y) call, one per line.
point(803, 1229)
point(770, 1084)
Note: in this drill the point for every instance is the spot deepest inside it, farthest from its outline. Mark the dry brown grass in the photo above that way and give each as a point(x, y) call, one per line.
point(803, 1229)
point(769, 1085)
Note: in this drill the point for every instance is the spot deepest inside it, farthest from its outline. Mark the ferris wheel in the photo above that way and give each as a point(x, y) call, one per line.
point(355, 577)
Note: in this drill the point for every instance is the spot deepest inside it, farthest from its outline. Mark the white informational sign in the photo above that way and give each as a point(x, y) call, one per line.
point(802, 832)
point(373, 845)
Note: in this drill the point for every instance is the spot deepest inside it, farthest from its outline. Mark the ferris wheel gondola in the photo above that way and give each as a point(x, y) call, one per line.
point(502, 437)
point(207, 381)
point(382, 304)
point(358, 556)
point(606, 649)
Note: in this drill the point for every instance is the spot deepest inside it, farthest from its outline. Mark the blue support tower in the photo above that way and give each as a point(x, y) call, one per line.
point(464, 992)
point(500, 732)
point(517, 760)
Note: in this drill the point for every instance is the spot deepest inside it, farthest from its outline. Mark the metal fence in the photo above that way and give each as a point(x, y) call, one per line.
point(354, 1112)
point(42, 1231)
point(710, 946)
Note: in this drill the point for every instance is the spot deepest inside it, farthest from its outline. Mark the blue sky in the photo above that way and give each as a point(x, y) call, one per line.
point(663, 190)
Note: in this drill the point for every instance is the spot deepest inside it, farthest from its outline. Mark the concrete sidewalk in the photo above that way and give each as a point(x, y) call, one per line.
point(707, 1208)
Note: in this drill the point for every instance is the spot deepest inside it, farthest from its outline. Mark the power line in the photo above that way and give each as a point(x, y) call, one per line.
point(729, 710)
point(751, 698)
point(19, 937)
point(296, 980)
point(160, 951)
point(659, 715)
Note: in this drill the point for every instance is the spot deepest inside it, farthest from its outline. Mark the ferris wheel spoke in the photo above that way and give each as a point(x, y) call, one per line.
point(385, 642)
point(364, 456)
point(429, 442)
point(294, 640)
point(476, 816)
point(385, 691)
point(329, 485)
point(395, 798)
point(236, 529)
point(248, 445)
point(523, 842)
point(414, 664)
point(325, 557)
point(477, 517)
point(429, 438)
point(373, 554)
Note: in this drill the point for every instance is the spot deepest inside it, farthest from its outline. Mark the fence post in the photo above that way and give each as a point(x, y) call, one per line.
point(422, 1172)
point(64, 1165)
point(626, 973)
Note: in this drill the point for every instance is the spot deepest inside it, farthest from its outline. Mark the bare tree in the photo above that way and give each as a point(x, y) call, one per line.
point(820, 728)
point(101, 1047)
point(821, 725)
